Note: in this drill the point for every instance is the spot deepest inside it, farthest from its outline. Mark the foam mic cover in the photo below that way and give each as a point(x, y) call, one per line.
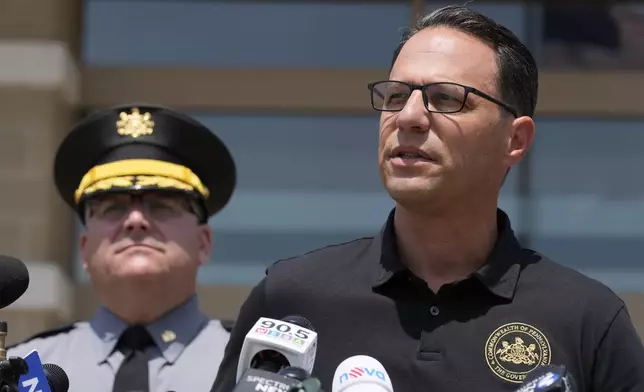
point(14, 280)
point(293, 372)
point(361, 373)
point(299, 320)
point(56, 377)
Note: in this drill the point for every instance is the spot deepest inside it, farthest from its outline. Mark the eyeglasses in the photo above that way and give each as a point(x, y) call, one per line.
point(114, 207)
point(442, 97)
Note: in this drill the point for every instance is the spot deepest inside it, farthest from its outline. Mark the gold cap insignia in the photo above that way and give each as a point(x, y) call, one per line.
point(168, 336)
point(513, 350)
point(135, 124)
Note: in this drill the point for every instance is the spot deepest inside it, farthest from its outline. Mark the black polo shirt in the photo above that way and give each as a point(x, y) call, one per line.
point(483, 333)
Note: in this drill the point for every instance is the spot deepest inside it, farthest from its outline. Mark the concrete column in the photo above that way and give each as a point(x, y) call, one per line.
point(39, 91)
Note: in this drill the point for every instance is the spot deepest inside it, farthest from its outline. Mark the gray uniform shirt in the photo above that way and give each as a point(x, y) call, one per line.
point(186, 357)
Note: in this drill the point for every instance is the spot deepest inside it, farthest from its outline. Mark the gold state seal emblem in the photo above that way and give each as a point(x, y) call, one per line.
point(513, 350)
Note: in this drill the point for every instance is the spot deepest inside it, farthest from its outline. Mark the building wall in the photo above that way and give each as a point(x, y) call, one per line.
point(289, 85)
point(39, 94)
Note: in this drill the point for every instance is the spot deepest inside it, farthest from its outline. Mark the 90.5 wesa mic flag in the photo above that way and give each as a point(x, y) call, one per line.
point(296, 343)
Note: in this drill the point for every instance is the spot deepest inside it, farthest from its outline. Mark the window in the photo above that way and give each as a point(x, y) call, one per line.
point(588, 197)
point(604, 35)
point(242, 34)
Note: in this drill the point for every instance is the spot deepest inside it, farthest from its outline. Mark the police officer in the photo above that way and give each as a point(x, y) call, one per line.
point(144, 180)
point(444, 296)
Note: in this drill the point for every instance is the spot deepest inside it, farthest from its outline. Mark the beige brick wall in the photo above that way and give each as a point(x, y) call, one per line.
point(38, 96)
point(36, 222)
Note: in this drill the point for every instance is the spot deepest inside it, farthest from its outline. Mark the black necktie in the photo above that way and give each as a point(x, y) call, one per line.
point(132, 376)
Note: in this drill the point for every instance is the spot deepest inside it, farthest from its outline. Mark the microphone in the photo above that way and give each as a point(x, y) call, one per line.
point(14, 281)
point(262, 380)
point(294, 372)
point(307, 383)
point(23, 374)
point(56, 377)
point(272, 345)
point(361, 373)
point(550, 378)
point(43, 378)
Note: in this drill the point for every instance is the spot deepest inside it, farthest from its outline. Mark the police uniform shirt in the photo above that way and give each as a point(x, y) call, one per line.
point(187, 350)
point(485, 332)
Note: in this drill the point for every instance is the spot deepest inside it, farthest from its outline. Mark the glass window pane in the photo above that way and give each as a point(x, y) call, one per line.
point(242, 34)
point(604, 36)
point(589, 197)
point(304, 183)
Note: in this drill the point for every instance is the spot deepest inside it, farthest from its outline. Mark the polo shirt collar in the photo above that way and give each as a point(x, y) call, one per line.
point(499, 274)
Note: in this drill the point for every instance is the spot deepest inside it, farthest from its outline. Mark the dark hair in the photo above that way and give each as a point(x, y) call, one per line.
point(518, 78)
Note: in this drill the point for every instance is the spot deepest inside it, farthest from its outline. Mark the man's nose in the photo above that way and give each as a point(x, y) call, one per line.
point(136, 219)
point(414, 115)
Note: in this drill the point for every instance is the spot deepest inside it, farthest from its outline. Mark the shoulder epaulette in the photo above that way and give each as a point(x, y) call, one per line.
point(47, 333)
point(227, 324)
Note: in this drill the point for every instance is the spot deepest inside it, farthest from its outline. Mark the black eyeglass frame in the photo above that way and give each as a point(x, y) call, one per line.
point(422, 88)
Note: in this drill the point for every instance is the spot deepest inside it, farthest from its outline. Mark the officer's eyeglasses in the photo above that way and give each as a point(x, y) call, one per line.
point(442, 97)
point(115, 207)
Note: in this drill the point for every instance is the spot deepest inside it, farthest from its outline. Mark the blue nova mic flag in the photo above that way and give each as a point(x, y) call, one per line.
point(35, 379)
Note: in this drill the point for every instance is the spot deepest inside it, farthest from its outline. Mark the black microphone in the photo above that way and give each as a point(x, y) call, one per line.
point(288, 379)
point(261, 380)
point(550, 378)
point(306, 384)
point(299, 320)
point(14, 281)
point(294, 372)
point(56, 377)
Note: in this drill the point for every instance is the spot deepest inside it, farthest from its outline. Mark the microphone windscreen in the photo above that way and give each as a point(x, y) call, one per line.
point(14, 280)
point(361, 373)
point(294, 372)
point(56, 377)
point(299, 320)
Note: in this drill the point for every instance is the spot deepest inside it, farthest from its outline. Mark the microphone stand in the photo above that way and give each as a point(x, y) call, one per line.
point(10, 369)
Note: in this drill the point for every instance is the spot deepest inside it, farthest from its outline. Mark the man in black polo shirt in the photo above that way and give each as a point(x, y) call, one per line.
point(444, 296)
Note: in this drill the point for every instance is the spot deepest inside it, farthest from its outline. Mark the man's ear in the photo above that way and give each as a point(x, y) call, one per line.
point(520, 139)
point(205, 243)
point(82, 244)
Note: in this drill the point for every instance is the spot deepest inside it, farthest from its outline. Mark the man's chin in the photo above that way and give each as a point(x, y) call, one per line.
point(140, 268)
point(411, 185)
point(142, 274)
point(412, 190)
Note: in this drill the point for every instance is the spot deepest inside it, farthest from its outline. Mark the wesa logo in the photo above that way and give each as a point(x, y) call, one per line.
point(360, 372)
